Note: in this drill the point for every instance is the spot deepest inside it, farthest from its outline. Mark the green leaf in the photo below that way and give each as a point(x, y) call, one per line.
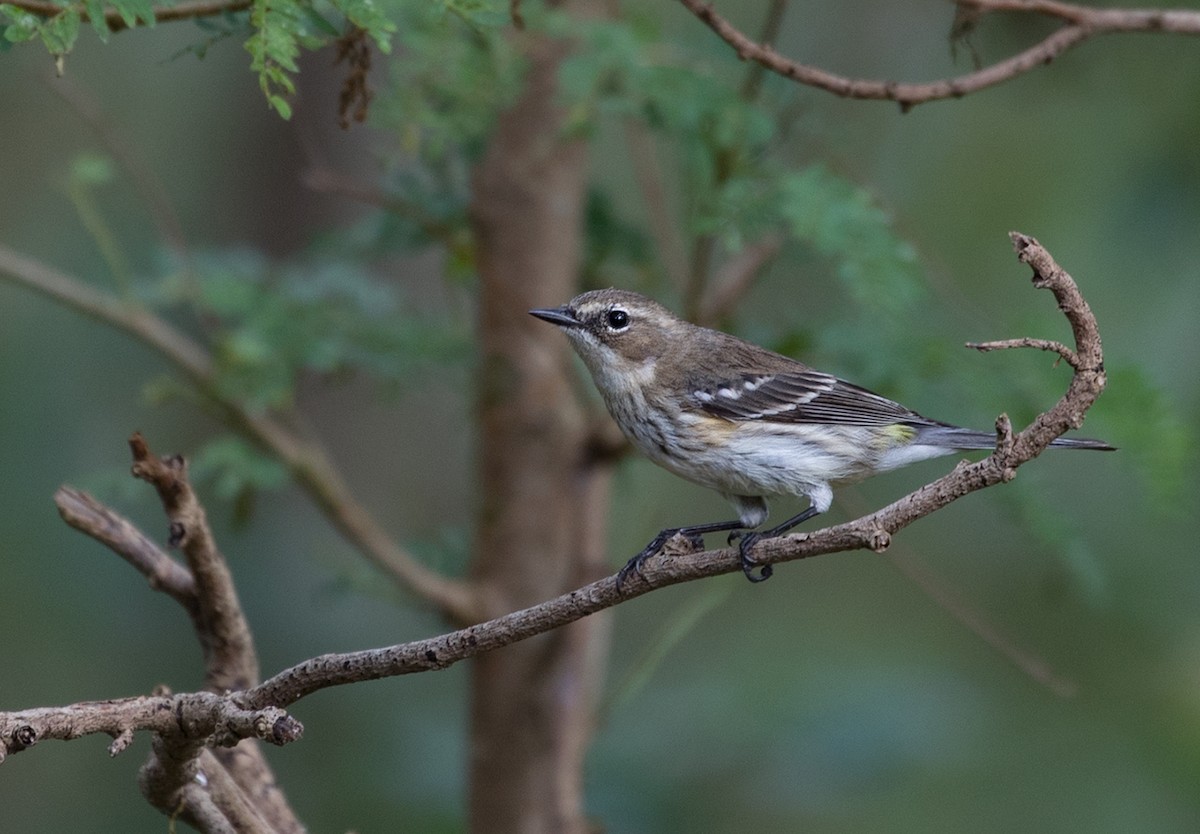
point(60, 32)
point(277, 321)
point(95, 13)
point(841, 220)
point(135, 12)
point(281, 105)
point(320, 21)
point(237, 472)
point(1150, 429)
point(366, 15)
point(22, 25)
point(458, 72)
point(274, 48)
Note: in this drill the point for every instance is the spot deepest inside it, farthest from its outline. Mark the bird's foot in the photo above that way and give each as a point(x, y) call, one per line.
point(634, 565)
point(746, 540)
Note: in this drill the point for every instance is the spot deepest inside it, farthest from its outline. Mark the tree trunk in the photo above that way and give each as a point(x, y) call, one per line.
point(543, 501)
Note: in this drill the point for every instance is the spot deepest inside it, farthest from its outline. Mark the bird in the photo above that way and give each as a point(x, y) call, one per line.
point(743, 420)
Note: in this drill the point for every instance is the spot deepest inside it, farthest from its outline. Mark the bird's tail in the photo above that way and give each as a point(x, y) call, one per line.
point(952, 437)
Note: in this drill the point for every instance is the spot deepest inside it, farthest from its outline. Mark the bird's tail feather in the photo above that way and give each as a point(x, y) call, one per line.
point(952, 437)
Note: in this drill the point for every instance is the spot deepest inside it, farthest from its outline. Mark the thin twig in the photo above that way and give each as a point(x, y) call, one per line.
point(1062, 350)
point(1080, 24)
point(92, 518)
point(968, 616)
point(773, 22)
point(161, 14)
point(230, 658)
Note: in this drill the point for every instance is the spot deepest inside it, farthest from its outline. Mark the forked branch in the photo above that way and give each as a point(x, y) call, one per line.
point(1079, 23)
point(191, 731)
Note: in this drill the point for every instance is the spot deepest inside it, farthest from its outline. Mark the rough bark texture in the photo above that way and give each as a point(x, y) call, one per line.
point(540, 528)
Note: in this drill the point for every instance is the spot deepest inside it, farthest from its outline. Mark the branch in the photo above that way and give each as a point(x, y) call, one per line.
point(306, 460)
point(204, 717)
point(230, 659)
point(1062, 350)
point(90, 517)
point(213, 790)
point(162, 14)
point(209, 719)
point(1079, 24)
point(872, 532)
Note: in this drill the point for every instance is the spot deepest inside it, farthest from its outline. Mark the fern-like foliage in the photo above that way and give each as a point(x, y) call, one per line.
point(276, 31)
point(283, 28)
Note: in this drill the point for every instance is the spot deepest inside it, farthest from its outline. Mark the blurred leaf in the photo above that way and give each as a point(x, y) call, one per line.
point(135, 12)
point(1149, 428)
point(96, 16)
point(735, 170)
point(237, 472)
point(279, 320)
point(458, 72)
point(274, 48)
point(58, 33)
point(611, 241)
point(92, 169)
point(840, 220)
point(22, 25)
point(368, 16)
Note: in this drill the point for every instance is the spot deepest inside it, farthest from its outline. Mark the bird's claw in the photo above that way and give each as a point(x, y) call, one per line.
point(745, 542)
point(634, 565)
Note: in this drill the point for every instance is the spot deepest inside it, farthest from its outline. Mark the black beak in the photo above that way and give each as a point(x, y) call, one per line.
point(562, 316)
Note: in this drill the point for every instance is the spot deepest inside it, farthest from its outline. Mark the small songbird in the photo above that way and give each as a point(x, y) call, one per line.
point(740, 419)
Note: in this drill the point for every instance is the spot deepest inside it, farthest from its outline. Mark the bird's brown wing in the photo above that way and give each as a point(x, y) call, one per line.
point(801, 397)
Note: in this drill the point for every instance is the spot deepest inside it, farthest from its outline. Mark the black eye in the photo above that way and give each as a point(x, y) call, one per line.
point(617, 319)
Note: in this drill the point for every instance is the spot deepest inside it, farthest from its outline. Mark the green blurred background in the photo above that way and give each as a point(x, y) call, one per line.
point(840, 696)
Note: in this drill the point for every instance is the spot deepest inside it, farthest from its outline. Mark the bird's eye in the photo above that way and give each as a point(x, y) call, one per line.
point(617, 319)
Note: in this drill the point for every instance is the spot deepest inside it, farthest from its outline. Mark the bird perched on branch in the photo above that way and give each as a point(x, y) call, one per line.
point(740, 419)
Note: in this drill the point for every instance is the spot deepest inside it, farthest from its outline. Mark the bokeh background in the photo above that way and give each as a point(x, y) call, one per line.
point(843, 695)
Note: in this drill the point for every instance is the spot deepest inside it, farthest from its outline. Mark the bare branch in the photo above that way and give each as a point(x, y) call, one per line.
point(203, 717)
point(215, 791)
point(89, 516)
point(871, 532)
point(230, 659)
point(305, 459)
point(1062, 350)
point(185, 724)
point(769, 32)
point(162, 14)
point(1079, 24)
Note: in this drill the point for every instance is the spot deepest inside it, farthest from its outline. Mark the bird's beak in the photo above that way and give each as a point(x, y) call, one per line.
point(562, 316)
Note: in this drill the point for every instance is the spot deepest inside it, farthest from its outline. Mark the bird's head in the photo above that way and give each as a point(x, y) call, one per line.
point(620, 335)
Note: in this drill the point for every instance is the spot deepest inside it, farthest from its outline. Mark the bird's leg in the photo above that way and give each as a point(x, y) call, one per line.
point(693, 533)
point(746, 539)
